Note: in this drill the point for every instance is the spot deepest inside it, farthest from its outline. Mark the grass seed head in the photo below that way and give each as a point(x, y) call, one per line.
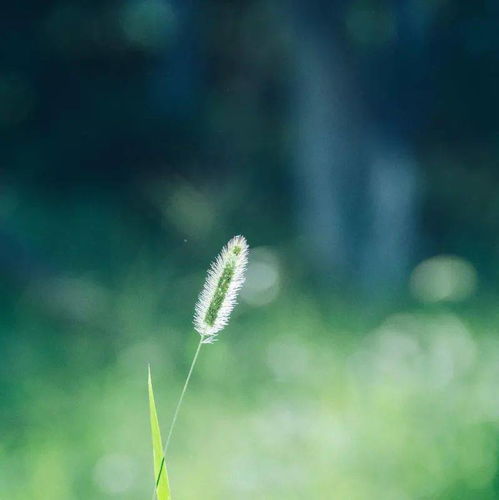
point(223, 282)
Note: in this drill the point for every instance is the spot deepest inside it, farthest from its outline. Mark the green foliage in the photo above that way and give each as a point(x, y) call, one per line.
point(297, 400)
point(163, 487)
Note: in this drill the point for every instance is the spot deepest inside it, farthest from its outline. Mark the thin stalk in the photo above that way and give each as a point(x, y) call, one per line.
point(175, 415)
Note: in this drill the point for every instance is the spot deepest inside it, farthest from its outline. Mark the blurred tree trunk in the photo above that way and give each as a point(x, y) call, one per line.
point(359, 102)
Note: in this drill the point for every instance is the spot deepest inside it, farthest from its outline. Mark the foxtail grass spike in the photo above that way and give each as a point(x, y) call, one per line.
point(216, 301)
point(218, 297)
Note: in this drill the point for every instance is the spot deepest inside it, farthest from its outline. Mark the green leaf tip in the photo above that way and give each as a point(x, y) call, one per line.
point(163, 487)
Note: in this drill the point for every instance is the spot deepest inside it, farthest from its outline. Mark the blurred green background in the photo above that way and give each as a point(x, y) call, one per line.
point(355, 143)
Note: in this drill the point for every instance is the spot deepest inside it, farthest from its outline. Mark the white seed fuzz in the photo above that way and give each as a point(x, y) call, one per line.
point(223, 282)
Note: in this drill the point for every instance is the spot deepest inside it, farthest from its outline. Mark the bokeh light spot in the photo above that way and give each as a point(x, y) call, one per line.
point(148, 24)
point(443, 278)
point(115, 473)
point(263, 278)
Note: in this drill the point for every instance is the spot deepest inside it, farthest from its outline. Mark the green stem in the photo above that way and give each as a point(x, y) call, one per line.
point(175, 415)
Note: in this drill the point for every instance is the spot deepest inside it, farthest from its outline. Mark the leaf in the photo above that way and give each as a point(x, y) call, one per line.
point(163, 488)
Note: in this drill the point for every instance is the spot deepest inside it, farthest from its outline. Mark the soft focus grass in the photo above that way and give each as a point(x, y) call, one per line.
point(302, 397)
point(286, 405)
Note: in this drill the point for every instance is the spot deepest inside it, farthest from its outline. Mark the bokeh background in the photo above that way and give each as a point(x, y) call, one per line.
point(355, 143)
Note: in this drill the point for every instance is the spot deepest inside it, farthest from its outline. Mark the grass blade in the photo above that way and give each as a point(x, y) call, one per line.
point(163, 487)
